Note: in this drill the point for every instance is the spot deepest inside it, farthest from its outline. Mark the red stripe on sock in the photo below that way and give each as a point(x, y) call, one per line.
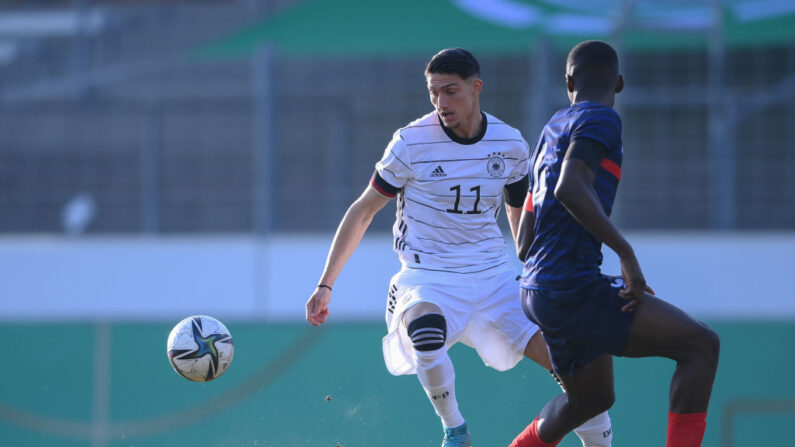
point(529, 437)
point(686, 429)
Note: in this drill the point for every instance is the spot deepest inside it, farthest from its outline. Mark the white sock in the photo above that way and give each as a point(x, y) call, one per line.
point(596, 432)
point(439, 384)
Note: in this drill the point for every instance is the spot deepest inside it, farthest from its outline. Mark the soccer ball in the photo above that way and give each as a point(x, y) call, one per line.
point(200, 348)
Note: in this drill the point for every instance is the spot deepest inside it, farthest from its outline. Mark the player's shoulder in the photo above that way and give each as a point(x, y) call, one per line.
point(430, 119)
point(499, 125)
point(591, 111)
point(420, 129)
point(499, 129)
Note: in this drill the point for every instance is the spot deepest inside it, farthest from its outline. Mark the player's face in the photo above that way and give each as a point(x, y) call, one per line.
point(455, 99)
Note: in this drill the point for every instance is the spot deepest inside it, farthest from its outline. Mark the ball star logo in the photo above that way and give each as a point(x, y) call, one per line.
point(205, 346)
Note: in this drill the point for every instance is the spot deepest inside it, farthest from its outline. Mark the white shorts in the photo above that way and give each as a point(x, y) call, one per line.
point(482, 311)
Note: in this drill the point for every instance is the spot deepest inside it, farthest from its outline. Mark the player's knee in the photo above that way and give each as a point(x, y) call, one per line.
point(428, 332)
point(603, 403)
point(709, 347)
point(597, 401)
point(600, 402)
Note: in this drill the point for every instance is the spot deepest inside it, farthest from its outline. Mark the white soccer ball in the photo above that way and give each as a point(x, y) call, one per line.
point(200, 348)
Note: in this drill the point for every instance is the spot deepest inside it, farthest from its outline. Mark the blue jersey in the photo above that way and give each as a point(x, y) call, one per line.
point(563, 254)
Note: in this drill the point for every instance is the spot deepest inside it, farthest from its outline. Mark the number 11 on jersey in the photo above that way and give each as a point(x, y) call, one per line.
point(455, 209)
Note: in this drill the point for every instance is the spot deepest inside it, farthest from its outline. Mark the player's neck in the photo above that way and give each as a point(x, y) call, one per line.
point(606, 99)
point(471, 127)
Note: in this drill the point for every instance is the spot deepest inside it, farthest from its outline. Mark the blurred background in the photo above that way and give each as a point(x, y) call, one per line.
point(165, 158)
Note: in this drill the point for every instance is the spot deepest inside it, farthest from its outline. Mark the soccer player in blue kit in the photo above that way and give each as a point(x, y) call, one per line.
point(587, 317)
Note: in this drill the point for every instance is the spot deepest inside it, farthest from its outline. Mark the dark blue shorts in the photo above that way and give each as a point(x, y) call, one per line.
point(580, 324)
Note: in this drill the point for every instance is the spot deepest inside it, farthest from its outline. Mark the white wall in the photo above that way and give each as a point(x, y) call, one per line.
point(724, 275)
point(239, 277)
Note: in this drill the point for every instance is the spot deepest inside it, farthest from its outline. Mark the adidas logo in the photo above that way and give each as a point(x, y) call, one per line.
point(438, 172)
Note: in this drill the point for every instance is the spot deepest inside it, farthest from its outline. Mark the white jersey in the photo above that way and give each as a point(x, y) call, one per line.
point(449, 193)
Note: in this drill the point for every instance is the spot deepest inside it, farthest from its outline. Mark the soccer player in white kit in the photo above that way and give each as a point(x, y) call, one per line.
point(450, 171)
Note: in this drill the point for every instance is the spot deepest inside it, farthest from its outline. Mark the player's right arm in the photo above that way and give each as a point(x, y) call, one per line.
point(349, 234)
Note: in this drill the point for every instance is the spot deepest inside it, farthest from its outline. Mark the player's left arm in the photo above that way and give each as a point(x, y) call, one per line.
point(514, 196)
point(527, 223)
point(576, 192)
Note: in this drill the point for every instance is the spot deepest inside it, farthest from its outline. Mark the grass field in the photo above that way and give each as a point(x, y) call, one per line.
point(291, 385)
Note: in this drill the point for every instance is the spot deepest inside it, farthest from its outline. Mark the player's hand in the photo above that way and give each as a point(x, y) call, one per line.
point(635, 287)
point(317, 306)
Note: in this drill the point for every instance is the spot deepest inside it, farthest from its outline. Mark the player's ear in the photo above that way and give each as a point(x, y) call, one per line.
point(620, 84)
point(570, 83)
point(477, 84)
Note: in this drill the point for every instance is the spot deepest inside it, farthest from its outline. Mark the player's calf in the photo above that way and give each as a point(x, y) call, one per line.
point(595, 432)
point(691, 388)
point(691, 385)
point(589, 392)
point(435, 371)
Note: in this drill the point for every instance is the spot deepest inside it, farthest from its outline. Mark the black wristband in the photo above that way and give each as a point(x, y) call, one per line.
point(323, 285)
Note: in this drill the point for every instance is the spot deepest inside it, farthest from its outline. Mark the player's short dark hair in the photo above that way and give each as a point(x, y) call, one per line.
point(593, 63)
point(454, 61)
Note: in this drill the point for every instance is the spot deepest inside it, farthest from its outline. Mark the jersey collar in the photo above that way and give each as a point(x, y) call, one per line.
point(459, 140)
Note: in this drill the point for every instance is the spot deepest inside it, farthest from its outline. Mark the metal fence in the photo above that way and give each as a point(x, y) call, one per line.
point(285, 144)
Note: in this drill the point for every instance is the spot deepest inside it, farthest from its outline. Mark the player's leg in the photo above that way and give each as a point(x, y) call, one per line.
point(427, 328)
point(585, 327)
point(661, 329)
point(589, 392)
point(537, 350)
point(595, 432)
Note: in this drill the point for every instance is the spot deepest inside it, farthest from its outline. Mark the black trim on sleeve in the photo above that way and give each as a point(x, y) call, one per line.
point(382, 186)
point(515, 192)
point(588, 150)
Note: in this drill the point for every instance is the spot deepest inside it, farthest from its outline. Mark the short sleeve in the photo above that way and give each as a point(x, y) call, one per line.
point(394, 169)
point(522, 167)
point(601, 125)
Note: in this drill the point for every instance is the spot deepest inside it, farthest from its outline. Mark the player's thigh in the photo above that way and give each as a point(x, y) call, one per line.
point(498, 329)
point(662, 329)
point(537, 351)
point(413, 294)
